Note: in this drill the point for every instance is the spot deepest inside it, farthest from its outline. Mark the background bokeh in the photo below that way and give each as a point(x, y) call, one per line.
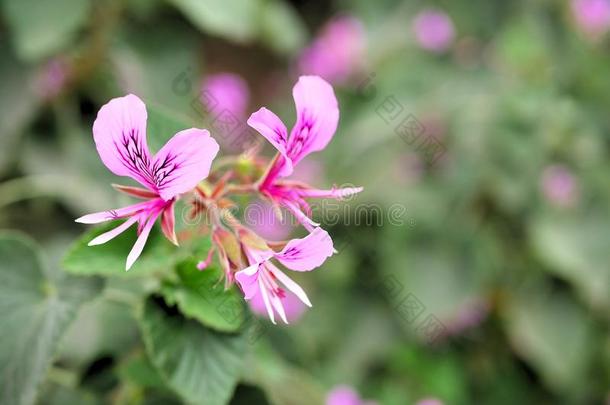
point(475, 265)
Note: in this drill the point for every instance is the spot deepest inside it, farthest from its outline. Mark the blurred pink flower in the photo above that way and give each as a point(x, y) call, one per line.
point(337, 52)
point(53, 78)
point(434, 30)
point(468, 315)
point(429, 401)
point(262, 218)
point(559, 186)
point(592, 16)
point(408, 169)
point(226, 92)
point(345, 395)
point(225, 96)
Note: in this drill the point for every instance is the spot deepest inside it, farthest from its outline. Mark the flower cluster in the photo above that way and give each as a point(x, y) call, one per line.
point(183, 168)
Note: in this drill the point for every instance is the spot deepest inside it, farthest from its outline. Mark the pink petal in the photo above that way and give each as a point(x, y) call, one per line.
point(168, 224)
point(274, 130)
point(135, 191)
point(337, 193)
point(292, 305)
point(247, 279)
point(279, 307)
point(183, 162)
point(265, 296)
point(317, 117)
point(103, 216)
point(137, 248)
point(307, 253)
point(307, 222)
point(289, 284)
point(119, 132)
point(105, 237)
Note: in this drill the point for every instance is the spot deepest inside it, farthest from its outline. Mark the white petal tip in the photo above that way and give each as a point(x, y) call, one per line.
point(129, 263)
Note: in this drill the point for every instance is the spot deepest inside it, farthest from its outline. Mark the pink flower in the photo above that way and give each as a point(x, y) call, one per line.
point(119, 132)
point(592, 16)
point(317, 119)
point(559, 186)
point(53, 78)
point(337, 52)
point(264, 278)
point(226, 92)
point(433, 30)
point(467, 316)
point(429, 401)
point(345, 395)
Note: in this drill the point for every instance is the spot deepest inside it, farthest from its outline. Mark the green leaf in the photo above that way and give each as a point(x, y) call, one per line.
point(109, 259)
point(281, 27)
point(139, 370)
point(554, 335)
point(201, 365)
point(18, 103)
point(281, 382)
point(41, 28)
point(36, 307)
point(56, 394)
point(231, 19)
point(201, 296)
point(161, 66)
point(577, 249)
point(89, 337)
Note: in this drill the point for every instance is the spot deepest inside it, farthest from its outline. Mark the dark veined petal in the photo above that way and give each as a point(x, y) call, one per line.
point(183, 162)
point(119, 132)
